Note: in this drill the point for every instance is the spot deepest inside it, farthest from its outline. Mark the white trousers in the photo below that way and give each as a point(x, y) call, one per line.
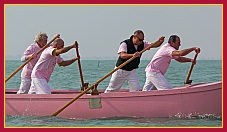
point(24, 85)
point(155, 80)
point(39, 86)
point(120, 76)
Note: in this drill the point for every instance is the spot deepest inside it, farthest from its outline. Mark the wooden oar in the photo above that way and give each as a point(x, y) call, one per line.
point(156, 44)
point(38, 52)
point(79, 65)
point(187, 81)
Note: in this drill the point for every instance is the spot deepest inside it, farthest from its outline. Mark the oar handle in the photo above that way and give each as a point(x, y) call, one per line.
point(156, 44)
point(38, 52)
point(79, 65)
point(187, 81)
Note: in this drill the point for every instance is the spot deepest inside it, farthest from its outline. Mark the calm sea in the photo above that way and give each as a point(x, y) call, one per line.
point(93, 70)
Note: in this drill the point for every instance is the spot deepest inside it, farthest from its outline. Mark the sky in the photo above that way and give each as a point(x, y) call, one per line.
point(99, 29)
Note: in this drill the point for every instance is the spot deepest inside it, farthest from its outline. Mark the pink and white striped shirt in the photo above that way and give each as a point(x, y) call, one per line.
point(27, 69)
point(45, 65)
point(161, 60)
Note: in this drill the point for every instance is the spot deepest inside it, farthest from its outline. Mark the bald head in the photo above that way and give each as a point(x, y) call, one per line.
point(58, 43)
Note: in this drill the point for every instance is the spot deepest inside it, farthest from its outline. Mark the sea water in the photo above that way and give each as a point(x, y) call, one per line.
point(92, 70)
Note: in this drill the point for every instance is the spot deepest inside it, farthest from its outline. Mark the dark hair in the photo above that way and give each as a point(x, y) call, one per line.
point(137, 32)
point(172, 38)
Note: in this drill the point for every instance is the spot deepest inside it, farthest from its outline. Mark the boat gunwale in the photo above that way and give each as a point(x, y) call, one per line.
point(123, 94)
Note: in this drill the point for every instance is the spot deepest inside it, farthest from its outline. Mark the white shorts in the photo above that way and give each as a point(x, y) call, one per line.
point(39, 86)
point(155, 80)
point(24, 85)
point(120, 76)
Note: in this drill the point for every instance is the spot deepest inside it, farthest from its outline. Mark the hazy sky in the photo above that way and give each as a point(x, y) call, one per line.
point(99, 29)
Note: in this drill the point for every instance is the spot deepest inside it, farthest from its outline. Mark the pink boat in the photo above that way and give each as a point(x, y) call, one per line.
point(189, 100)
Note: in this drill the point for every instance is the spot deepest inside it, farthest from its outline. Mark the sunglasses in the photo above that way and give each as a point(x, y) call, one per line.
point(139, 38)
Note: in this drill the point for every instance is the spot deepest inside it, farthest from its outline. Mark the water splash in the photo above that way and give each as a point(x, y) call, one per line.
point(197, 116)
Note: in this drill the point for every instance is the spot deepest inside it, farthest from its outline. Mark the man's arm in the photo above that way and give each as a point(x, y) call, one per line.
point(185, 51)
point(184, 59)
point(124, 55)
point(158, 42)
point(63, 50)
point(66, 49)
point(68, 62)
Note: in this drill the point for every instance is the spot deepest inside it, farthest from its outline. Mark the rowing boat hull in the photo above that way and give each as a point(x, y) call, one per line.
point(190, 100)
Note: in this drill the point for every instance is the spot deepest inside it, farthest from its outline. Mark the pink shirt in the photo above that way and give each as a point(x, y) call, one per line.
point(161, 60)
point(45, 65)
point(27, 69)
point(123, 46)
